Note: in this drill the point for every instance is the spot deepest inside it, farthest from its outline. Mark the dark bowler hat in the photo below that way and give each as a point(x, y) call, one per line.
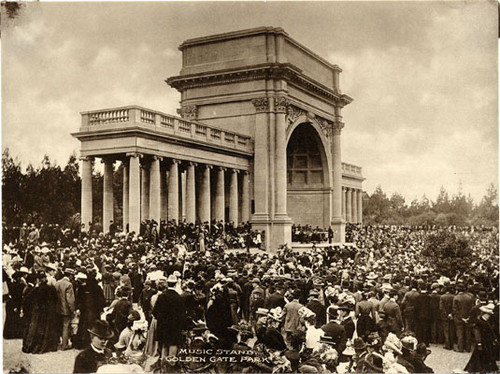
point(101, 329)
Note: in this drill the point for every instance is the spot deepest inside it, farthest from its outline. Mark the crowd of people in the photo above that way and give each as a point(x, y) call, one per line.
point(307, 234)
point(172, 304)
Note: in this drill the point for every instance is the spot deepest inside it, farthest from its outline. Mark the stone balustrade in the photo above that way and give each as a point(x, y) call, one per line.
point(351, 170)
point(135, 116)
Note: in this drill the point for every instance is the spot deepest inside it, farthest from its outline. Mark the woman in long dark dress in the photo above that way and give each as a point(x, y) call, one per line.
point(484, 355)
point(90, 301)
point(13, 327)
point(43, 330)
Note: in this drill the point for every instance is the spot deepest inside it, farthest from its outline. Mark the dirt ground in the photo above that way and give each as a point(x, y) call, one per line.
point(441, 360)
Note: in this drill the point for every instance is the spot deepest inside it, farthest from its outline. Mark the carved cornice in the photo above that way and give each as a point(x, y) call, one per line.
point(189, 112)
point(261, 104)
point(281, 104)
point(284, 71)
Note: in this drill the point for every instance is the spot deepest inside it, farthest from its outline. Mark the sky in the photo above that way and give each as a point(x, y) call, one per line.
point(423, 76)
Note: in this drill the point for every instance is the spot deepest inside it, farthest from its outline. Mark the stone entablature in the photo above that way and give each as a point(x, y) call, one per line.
point(124, 119)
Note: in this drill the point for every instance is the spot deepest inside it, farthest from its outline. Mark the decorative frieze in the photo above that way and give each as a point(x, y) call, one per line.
point(189, 112)
point(292, 113)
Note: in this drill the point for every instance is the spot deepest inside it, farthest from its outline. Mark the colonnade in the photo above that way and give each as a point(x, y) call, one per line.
point(352, 204)
point(158, 188)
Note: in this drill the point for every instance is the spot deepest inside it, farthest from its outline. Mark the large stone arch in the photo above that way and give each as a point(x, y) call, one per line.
point(308, 173)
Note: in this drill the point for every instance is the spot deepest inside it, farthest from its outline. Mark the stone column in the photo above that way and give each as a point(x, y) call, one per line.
point(360, 206)
point(190, 193)
point(107, 196)
point(261, 162)
point(354, 210)
point(173, 191)
point(219, 195)
point(245, 198)
point(134, 193)
point(86, 215)
point(233, 198)
point(338, 224)
point(205, 194)
point(163, 193)
point(145, 191)
point(344, 202)
point(281, 104)
point(125, 196)
point(349, 205)
point(154, 190)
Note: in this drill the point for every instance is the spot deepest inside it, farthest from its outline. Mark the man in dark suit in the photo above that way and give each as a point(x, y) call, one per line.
point(462, 305)
point(96, 355)
point(65, 304)
point(393, 313)
point(445, 311)
point(334, 330)
point(170, 313)
point(317, 308)
point(276, 298)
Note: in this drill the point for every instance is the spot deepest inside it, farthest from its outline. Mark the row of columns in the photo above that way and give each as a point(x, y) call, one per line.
point(352, 208)
point(149, 194)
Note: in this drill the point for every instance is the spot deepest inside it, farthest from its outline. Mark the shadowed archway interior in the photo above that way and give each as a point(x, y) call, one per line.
point(307, 177)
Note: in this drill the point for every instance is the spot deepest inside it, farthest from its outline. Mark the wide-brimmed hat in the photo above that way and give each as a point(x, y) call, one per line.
point(171, 279)
point(372, 276)
point(358, 343)
point(200, 326)
point(101, 329)
point(51, 266)
point(262, 311)
point(488, 308)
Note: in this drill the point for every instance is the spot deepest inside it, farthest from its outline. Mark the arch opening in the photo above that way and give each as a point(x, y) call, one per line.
point(308, 198)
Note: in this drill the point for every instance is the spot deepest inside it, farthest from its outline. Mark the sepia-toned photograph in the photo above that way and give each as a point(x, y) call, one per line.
point(250, 187)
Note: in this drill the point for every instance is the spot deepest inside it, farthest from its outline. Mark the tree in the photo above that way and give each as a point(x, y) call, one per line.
point(377, 208)
point(448, 252)
point(12, 181)
point(487, 211)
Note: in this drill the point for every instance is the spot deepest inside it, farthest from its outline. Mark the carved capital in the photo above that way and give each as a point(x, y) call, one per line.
point(88, 158)
point(157, 158)
point(221, 168)
point(189, 112)
point(134, 154)
point(261, 104)
point(281, 104)
point(337, 127)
